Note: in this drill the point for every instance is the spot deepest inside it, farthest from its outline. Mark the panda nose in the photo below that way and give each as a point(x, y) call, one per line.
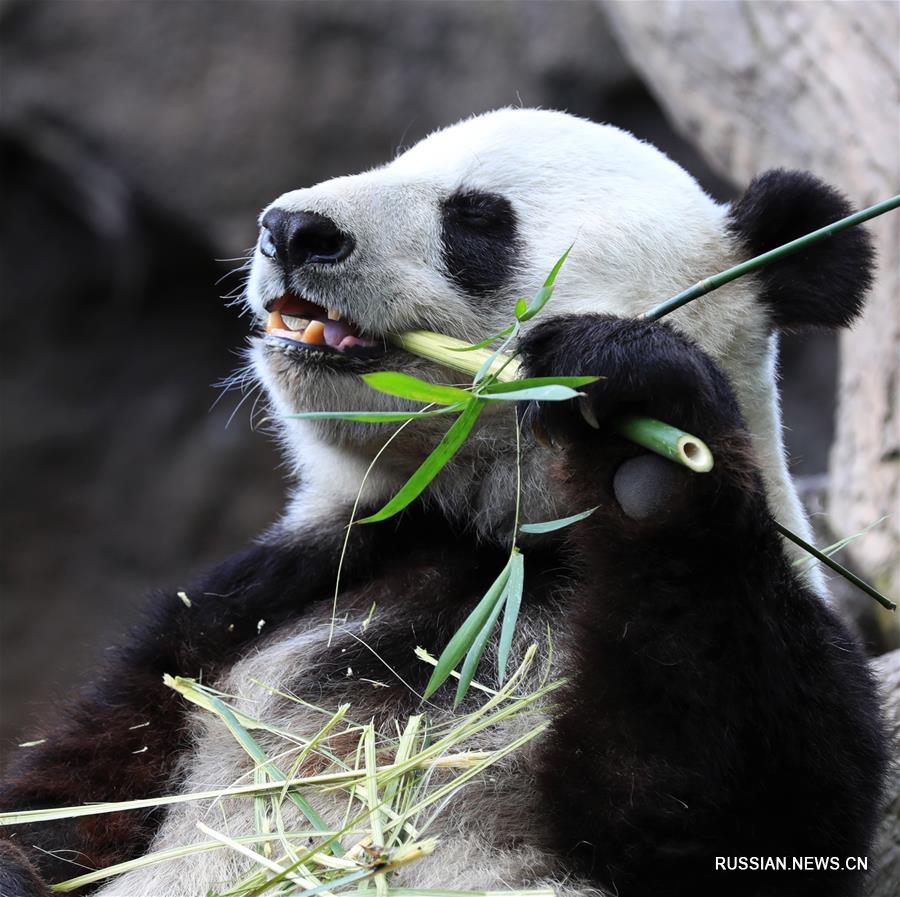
point(302, 238)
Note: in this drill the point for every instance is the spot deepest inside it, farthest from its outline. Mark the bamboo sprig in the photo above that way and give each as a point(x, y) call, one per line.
point(708, 284)
point(494, 375)
point(654, 435)
point(391, 804)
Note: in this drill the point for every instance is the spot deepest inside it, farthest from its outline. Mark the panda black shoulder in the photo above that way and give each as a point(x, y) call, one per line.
point(823, 286)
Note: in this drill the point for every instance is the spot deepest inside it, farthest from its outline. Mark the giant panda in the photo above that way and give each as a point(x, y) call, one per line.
point(714, 707)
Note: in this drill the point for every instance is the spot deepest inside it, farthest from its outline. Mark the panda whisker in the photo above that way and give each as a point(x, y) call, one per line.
point(236, 381)
point(255, 409)
point(240, 404)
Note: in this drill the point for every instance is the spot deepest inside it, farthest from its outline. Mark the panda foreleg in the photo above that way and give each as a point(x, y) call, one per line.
point(697, 659)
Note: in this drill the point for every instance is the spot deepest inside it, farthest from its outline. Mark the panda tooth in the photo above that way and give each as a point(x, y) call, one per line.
point(314, 334)
point(587, 412)
point(334, 314)
point(274, 322)
point(292, 322)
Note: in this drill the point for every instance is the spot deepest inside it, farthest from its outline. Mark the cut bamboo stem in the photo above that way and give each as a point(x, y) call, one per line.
point(666, 440)
point(654, 435)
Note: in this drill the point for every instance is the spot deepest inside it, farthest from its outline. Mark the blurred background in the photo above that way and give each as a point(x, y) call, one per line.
point(139, 140)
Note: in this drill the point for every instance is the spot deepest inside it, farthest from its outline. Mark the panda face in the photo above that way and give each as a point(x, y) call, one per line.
point(451, 233)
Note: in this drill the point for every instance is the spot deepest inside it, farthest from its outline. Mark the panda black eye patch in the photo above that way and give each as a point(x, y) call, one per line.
point(479, 241)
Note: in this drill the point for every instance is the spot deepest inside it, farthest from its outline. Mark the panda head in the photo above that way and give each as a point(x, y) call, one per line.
point(448, 235)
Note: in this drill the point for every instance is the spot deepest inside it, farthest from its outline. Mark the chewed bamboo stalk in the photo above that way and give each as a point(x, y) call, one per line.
point(456, 354)
point(654, 435)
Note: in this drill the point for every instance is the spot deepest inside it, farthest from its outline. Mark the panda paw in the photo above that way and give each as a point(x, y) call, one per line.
point(648, 369)
point(645, 367)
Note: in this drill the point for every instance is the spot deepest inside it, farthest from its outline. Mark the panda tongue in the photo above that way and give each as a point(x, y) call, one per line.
point(342, 335)
point(336, 332)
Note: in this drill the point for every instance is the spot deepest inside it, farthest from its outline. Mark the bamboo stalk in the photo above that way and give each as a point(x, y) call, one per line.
point(708, 284)
point(838, 568)
point(454, 353)
point(664, 439)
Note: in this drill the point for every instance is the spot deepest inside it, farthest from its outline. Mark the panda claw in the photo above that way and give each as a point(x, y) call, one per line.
point(587, 412)
point(541, 434)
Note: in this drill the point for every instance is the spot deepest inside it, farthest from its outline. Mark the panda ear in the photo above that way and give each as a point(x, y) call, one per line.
point(823, 286)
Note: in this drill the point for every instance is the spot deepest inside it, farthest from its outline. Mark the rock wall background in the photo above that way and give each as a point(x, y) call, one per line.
point(817, 87)
point(139, 141)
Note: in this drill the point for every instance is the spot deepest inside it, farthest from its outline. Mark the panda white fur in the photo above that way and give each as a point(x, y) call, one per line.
point(715, 706)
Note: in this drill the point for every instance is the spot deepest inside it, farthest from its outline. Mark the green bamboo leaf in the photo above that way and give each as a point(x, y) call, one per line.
point(521, 308)
point(536, 393)
point(541, 298)
point(476, 651)
point(528, 383)
point(373, 417)
point(841, 544)
point(545, 292)
point(484, 343)
point(513, 596)
point(432, 465)
point(489, 361)
point(464, 636)
point(406, 387)
point(548, 526)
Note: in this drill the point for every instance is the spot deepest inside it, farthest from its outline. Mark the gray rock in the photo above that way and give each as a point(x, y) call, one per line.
point(886, 855)
point(218, 108)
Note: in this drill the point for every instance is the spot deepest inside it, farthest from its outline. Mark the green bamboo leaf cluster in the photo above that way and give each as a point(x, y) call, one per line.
point(385, 778)
point(471, 639)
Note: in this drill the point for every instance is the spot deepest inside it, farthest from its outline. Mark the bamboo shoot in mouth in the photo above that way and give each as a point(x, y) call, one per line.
point(653, 435)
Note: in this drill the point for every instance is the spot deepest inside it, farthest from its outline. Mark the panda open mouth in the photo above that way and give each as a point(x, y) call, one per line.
point(304, 323)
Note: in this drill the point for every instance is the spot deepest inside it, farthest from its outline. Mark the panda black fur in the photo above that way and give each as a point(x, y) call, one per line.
point(715, 705)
